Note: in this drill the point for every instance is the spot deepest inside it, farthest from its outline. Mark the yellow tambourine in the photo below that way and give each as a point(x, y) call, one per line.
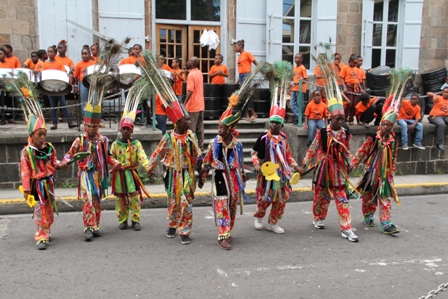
point(295, 178)
point(268, 170)
point(30, 201)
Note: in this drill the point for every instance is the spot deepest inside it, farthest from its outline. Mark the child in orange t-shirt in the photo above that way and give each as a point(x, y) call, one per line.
point(43, 56)
point(94, 51)
point(245, 61)
point(11, 59)
point(299, 75)
point(361, 75)
point(62, 57)
point(316, 116)
point(367, 109)
point(179, 78)
point(338, 65)
point(349, 80)
point(218, 72)
point(53, 64)
point(31, 63)
point(79, 73)
point(439, 116)
point(409, 118)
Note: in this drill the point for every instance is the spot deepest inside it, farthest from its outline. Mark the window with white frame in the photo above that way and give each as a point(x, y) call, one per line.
point(296, 30)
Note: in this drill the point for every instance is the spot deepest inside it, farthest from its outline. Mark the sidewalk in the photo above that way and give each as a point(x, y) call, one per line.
point(11, 201)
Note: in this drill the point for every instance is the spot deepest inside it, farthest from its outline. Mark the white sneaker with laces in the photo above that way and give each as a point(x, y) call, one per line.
point(350, 235)
point(319, 223)
point(275, 228)
point(258, 224)
point(419, 146)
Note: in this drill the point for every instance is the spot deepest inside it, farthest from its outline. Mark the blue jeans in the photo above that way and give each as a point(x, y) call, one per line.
point(241, 78)
point(314, 124)
point(83, 95)
point(295, 104)
point(404, 131)
point(161, 122)
point(53, 104)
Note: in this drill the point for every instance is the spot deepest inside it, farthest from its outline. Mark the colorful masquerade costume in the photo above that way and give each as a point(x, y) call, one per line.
point(379, 155)
point(92, 176)
point(275, 149)
point(126, 183)
point(377, 185)
point(37, 165)
point(179, 155)
point(331, 149)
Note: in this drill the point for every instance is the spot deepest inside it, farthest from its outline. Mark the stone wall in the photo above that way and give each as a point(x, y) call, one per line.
point(13, 141)
point(412, 161)
point(18, 26)
point(434, 35)
point(348, 34)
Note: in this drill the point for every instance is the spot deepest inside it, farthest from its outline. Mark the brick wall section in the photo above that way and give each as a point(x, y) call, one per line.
point(348, 34)
point(434, 35)
point(17, 26)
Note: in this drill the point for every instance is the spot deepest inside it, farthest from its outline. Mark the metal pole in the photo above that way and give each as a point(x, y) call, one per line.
point(300, 102)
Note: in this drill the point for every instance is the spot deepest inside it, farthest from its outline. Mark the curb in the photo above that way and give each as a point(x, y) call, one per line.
point(158, 200)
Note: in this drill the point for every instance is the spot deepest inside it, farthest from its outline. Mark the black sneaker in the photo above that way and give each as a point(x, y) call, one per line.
point(136, 226)
point(185, 239)
point(88, 235)
point(171, 232)
point(390, 229)
point(123, 225)
point(42, 245)
point(96, 233)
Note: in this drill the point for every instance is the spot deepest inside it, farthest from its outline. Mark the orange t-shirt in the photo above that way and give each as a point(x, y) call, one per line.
point(166, 68)
point(13, 61)
point(95, 58)
point(361, 74)
point(245, 62)
point(360, 108)
point(316, 111)
point(409, 112)
point(196, 85)
point(349, 75)
point(177, 86)
point(318, 73)
point(39, 65)
point(299, 72)
point(125, 61)
point(219, 79)
point(338, 71)
point(29, 64)
point(7, 64)
point(80, 67)
point(160, 109)
point(440, 107)
point(65, 61)
point(53, 65)
point(133, 60)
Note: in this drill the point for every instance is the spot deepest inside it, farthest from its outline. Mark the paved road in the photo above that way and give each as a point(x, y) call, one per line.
point(302, 263)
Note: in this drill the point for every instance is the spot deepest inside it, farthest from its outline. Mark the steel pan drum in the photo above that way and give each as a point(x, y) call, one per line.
point(5, 73)
point(167, 74)
point(54, 83)
point(29, 73)
point(129, 73)
point(108, 79)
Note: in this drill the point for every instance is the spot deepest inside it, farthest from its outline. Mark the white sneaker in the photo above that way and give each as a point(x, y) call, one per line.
point(258, 224)
point(350, 235)
point(319, 223)
point(405, 147)
point(275, 228)
point(419, 146)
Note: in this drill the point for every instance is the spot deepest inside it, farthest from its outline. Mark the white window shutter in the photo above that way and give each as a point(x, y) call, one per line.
point(410, 44)
point(367, 33)
point(274, 24)
point(327, 14)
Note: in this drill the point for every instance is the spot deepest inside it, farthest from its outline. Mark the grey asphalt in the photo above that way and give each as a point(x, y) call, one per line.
point(302, 263)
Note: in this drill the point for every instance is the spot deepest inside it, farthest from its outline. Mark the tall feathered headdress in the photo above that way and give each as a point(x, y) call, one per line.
point(136, 93)
point(239, 98)
point(103, 79)
point(335, 104)
point(162, 87)
point(398, 80)
point(20, 86)
point(279, 74)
